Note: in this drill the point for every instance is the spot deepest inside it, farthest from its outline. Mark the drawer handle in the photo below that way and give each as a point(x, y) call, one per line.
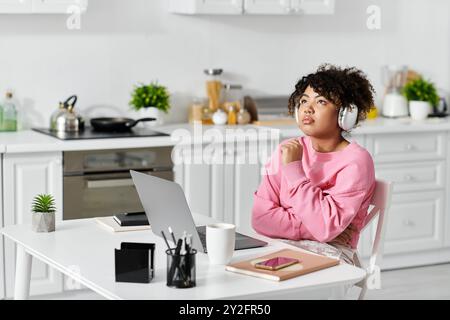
point(409, 223)
point(409, 178)
point(409, 147)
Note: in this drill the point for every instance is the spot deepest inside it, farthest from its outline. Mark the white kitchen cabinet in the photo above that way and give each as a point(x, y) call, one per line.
point(289, 6)
point(407, 146)
point(417, 164)
point(25, 176)
point(268, 7)
point(2, 261)
point(415, 223)
point(264, 7)
point(15, 6)
point(206, 6)
point(59, 6)
point(413, 176)
point(313, 6)
point(43, 6)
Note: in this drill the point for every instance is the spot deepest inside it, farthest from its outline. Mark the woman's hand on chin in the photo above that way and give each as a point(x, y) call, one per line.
point(291, 151)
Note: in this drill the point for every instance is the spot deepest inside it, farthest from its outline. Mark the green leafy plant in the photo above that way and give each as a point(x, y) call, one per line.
point(44, 203)
point(421, 90)
point(151, 95)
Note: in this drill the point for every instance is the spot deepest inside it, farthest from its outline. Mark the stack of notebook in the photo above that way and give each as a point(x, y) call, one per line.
point(131, 219)
point(307, 263)
point(125, 222)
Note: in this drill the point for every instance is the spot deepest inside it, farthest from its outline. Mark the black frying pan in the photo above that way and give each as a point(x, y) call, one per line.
point(116, 124)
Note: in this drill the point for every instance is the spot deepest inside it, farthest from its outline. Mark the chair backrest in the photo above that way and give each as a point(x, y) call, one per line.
point(381, 201)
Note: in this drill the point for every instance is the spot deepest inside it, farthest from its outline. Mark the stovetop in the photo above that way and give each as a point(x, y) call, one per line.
point(89, 133)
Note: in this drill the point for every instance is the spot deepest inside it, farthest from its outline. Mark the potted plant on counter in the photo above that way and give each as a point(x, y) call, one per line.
point(150, 100)
point(43, 209)
point(422, 96)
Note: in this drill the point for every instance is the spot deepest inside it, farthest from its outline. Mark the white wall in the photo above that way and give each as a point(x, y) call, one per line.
point(124, 42)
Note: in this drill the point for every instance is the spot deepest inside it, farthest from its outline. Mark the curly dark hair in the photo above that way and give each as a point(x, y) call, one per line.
point(342, 87)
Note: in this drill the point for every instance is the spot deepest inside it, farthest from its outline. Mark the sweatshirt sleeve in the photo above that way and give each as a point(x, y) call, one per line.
point(268, 216)
point(326, 214)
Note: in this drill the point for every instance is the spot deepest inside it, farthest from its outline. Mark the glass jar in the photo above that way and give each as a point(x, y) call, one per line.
point(232, 115)
point(207, 116)
point(243, 116)
point(214, 88)
point(196, 111)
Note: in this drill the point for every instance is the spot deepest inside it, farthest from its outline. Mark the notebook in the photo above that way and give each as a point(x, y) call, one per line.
point(131, 219)
point(110, 224)
point(309, 262)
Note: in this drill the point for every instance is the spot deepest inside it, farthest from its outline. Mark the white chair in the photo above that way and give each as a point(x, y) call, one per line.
point(381, 201)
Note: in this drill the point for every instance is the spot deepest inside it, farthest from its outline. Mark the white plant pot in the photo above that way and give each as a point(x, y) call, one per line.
point(43, 222)
point(419, 110)
point(150, 112)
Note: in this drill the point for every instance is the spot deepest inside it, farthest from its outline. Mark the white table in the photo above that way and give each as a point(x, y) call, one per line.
point(84, 251)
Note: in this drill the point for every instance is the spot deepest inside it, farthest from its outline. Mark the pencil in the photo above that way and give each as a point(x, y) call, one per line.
point(167, 243)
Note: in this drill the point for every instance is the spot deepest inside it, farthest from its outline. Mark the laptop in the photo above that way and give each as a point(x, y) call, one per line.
point(165, 205)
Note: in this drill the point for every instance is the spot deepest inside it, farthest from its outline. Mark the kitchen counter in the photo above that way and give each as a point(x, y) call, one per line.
point(30, 141)
point(385, 125)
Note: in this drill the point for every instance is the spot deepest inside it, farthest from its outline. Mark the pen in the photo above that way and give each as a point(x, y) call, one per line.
point(167, 243)
point(188, 265)
point(173, 236)
point(183, 244)
point(176, 262)
point(189, 243)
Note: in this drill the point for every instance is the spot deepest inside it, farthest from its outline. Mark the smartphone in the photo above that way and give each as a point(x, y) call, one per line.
point(276, 263)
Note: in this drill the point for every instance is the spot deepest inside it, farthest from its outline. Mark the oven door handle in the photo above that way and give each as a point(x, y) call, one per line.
point(109, 183)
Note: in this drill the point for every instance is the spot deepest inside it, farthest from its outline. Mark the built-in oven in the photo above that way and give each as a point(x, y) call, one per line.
point(98, 183)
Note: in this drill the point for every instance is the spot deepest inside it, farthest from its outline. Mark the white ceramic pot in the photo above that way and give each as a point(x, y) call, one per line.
point(220, 117)
point(419, 110)
point(150, 112)
point(43, 222)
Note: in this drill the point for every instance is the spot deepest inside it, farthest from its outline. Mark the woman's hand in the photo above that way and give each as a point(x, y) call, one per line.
point(291, 151)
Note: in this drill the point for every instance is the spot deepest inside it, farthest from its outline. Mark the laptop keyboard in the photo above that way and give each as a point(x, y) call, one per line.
point(202, 235)
point(242, 242)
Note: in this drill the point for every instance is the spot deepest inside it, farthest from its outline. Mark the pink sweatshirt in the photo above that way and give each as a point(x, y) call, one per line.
point(315, 198)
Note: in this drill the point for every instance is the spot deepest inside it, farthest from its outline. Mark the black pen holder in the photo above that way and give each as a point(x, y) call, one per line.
point(134, 262)
point(181, 269)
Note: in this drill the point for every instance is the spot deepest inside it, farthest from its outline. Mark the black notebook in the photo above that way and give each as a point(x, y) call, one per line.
point(131, 219)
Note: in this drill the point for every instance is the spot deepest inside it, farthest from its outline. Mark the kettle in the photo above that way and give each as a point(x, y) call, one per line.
point(65, 119)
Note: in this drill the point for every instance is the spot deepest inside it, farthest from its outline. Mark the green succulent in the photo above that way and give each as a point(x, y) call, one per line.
point(44, 203)
point(421, 90)
point(152, 95)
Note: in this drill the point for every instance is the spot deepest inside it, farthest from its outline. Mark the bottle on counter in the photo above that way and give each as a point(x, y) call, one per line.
point(232, 115)
point(214, 88)
point(9, 121)
point(196, 111)
point(373, 113)
point(207, 116)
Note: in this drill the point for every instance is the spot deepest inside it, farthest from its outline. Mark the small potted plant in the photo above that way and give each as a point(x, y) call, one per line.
point(422, 96)
point(150, 100)
point(43, 209)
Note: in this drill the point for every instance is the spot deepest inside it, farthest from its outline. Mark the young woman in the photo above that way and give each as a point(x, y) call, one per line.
point(318, 187)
